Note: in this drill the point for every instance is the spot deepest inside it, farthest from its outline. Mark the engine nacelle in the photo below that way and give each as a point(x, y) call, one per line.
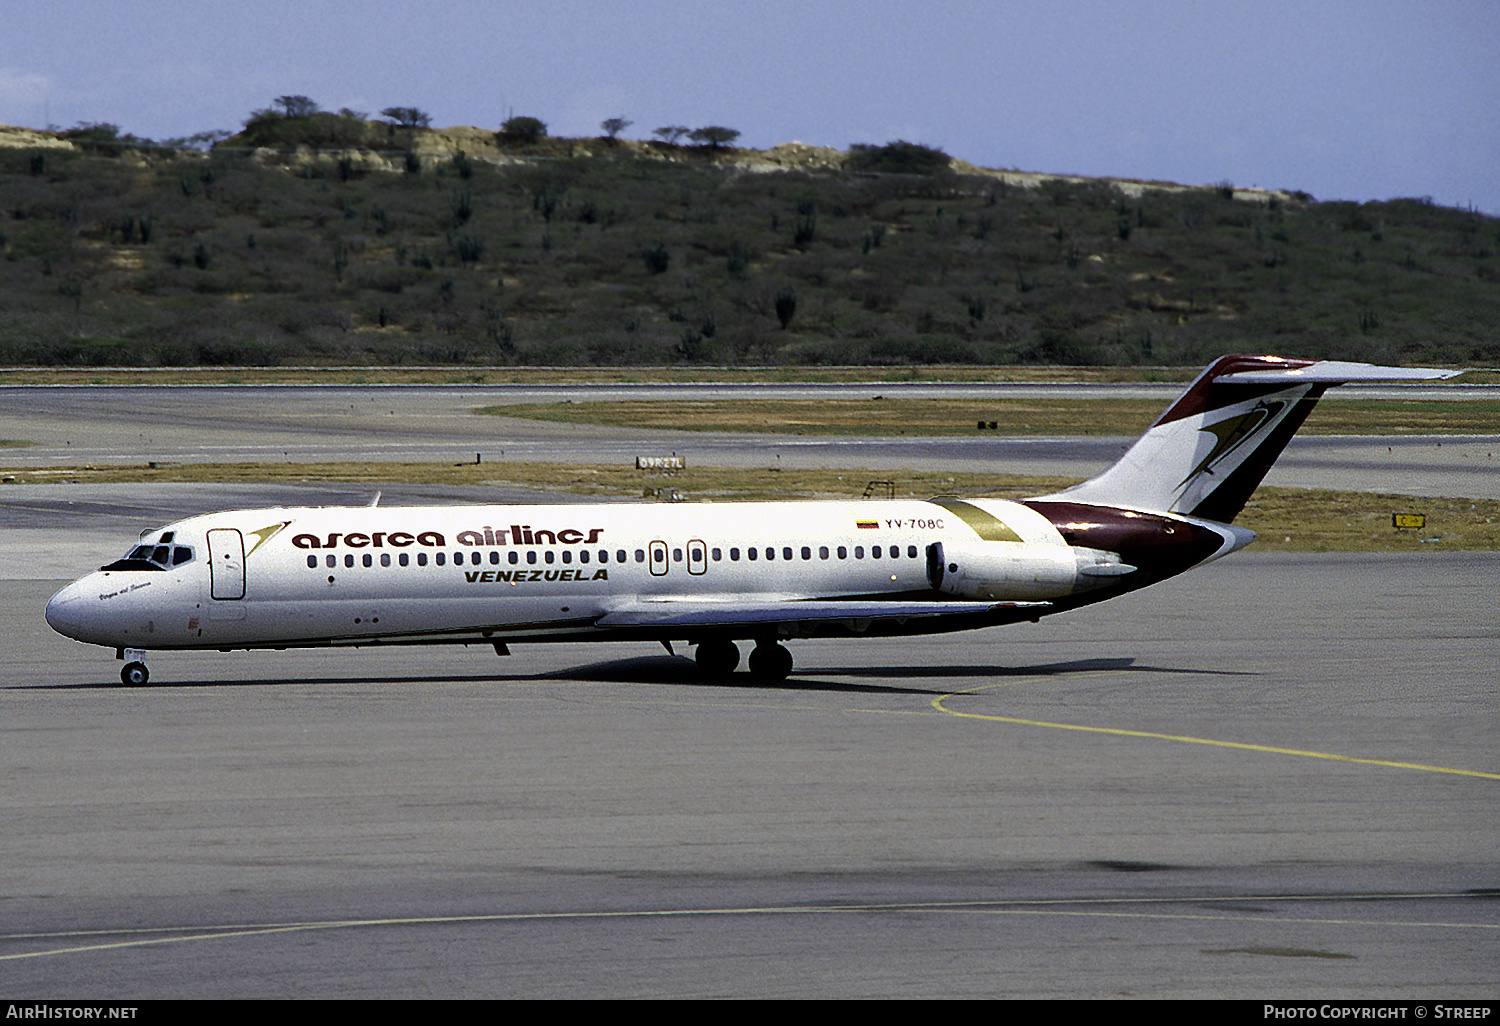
point(1003, 571)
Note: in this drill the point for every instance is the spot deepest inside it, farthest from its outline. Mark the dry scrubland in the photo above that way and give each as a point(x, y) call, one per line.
point(301, 246)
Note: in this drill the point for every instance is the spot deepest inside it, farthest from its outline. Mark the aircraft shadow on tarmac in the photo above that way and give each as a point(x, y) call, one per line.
point(679, 670)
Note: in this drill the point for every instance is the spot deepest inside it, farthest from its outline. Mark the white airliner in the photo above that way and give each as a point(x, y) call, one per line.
point(709, 574)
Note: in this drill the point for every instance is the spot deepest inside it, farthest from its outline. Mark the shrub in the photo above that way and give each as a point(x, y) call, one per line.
point(669, 134)
point(737, 260)
point(408, 117)
point(657, 259)
point(897, 158)
point(462, 203)
point(296, 106)
point(523, 129)
point(714, 136)
point(470, 250)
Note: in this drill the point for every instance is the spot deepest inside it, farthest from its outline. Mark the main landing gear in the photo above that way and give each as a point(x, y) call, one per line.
point(717, 658)
point(768, 660)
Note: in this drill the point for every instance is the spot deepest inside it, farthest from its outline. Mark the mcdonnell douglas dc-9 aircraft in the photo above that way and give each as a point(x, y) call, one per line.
point(709, 574)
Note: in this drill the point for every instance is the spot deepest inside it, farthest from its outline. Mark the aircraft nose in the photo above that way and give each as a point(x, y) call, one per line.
point(64, 612)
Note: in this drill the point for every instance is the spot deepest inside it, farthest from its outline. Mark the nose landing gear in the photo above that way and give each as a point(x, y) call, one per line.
point(134, 673)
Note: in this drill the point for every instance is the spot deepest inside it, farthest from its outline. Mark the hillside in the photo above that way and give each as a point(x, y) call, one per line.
point(377, 245)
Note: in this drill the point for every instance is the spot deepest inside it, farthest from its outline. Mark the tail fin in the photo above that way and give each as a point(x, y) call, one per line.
point(1212, 447)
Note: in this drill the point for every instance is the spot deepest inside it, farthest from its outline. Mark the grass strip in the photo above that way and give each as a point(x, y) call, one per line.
point(881, 415)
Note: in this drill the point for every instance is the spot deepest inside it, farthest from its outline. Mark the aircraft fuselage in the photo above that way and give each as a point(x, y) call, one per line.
point(295, 577)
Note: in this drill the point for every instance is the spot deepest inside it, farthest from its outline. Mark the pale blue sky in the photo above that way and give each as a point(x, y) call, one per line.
point(1346, 99)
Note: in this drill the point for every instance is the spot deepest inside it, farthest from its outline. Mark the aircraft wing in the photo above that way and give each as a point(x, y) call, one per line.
point(697, 613)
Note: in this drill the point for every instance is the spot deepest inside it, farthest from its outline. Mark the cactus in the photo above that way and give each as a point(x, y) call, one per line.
point(786, 306)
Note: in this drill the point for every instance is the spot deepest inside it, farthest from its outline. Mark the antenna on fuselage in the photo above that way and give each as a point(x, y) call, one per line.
point(375, 501)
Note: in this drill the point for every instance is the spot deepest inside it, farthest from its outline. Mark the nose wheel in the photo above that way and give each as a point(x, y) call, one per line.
point(134, 674)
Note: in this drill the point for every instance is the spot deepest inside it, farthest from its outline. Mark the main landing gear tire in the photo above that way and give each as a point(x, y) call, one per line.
point(717, 658)
point(770, 662)
point(134, 675)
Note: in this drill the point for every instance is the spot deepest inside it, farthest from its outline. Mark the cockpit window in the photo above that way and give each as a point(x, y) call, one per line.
point(153, 557)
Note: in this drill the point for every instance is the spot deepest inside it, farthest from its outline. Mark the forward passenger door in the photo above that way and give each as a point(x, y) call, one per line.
point(226, 563)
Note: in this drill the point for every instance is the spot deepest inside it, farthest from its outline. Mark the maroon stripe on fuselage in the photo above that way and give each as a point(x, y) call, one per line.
point(1159, 546)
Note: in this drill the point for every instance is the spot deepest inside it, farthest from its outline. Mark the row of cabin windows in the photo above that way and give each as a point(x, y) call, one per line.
point(787, 553)
point(476, 558)
point(550, 556)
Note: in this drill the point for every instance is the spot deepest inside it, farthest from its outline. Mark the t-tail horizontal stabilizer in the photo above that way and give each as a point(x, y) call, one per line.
point(1212, 447)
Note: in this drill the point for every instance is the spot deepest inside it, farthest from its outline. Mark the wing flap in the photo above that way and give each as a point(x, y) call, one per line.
point(724, 615)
